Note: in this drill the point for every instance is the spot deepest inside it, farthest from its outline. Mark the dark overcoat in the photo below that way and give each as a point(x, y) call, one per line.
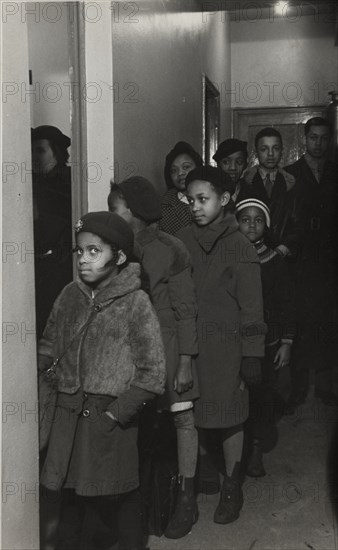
point(316, 267)
point(226, 272)
point(52, 239)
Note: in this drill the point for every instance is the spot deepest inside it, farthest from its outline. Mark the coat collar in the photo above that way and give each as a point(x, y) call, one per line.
point(147, 235)
point(125, 282)
point(170, 197)
point(207, 236)
point(252, 172)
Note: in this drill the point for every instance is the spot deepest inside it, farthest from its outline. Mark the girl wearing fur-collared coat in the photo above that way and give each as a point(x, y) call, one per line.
point(230, 324)
point(110, 369)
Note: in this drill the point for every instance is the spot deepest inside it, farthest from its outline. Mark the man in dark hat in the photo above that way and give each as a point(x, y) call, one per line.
point(232, 157)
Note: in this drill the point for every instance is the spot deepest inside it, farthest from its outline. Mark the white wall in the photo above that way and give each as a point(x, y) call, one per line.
point(53, 85)
point(158, 64)
point(48, 60)
point(99, 103)
point(20, 473)
point(283, 61)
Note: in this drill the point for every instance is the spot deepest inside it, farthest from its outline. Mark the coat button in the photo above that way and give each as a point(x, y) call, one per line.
point(98, 307)
point(85, 413)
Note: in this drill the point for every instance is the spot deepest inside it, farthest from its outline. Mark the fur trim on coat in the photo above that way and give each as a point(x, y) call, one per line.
point(122, 345)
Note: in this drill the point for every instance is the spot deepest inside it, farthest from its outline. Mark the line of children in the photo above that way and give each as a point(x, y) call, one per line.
point(230, 324)
point(228, 259)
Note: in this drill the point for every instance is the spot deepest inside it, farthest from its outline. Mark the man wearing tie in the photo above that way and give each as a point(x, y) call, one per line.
point(276, 188)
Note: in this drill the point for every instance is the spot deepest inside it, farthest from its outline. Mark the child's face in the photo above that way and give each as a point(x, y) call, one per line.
point(92, 256)
point(269, 152)
point(180, 168)
point(252, 223)
point(205, 204)
point(119, 206)
point(233, 165)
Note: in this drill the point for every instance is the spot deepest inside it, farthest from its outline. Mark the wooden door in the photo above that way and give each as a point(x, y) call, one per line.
point(289, 121)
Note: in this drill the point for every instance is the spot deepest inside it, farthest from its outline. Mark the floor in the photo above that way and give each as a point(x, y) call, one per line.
point(290, 508)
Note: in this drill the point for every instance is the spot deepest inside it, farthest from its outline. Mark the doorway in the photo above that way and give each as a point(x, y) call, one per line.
point(55, 100)
point(211, 98)
point(289, 121)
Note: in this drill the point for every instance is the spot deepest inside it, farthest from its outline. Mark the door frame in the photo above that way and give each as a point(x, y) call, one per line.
point(209, 90)
point(78, 112)
point(271, 116)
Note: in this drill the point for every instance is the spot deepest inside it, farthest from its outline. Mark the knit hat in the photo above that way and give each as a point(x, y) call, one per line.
point(181, 148)
point(215, 176)
point(110, 227)
point(246, 203)
point(52, 134)
point(141, 198)
point(228, 147)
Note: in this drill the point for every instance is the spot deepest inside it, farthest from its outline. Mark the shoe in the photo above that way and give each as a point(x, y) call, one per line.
point(255, 466)
point(208, 476)
point(328, 398)
point(231, 500)
point(186, 510)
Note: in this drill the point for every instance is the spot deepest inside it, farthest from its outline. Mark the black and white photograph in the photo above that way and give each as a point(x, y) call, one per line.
point(169, 275)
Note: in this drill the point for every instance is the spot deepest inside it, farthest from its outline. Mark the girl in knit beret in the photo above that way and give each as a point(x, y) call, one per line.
point(232, 157)
point(107, 332)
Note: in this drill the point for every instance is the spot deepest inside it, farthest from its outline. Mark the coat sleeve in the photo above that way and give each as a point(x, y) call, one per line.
point(146, 346)
point(249, 294)
point(149, 360)
point(285, 299)
point(48, 341)
point(183, 300)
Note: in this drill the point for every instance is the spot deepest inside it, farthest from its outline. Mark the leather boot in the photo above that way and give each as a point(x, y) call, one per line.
point(186, 510)
point(255, 466)
point(208, 476)
point(231, 500)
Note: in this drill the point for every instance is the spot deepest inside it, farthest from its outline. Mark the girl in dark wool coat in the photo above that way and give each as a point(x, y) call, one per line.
point(230, 324)
point(108, 372)
point(253, 216)
point(166, 261)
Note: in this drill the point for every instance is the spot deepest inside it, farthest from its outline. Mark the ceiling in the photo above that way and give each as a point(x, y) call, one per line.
point(305, 7)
